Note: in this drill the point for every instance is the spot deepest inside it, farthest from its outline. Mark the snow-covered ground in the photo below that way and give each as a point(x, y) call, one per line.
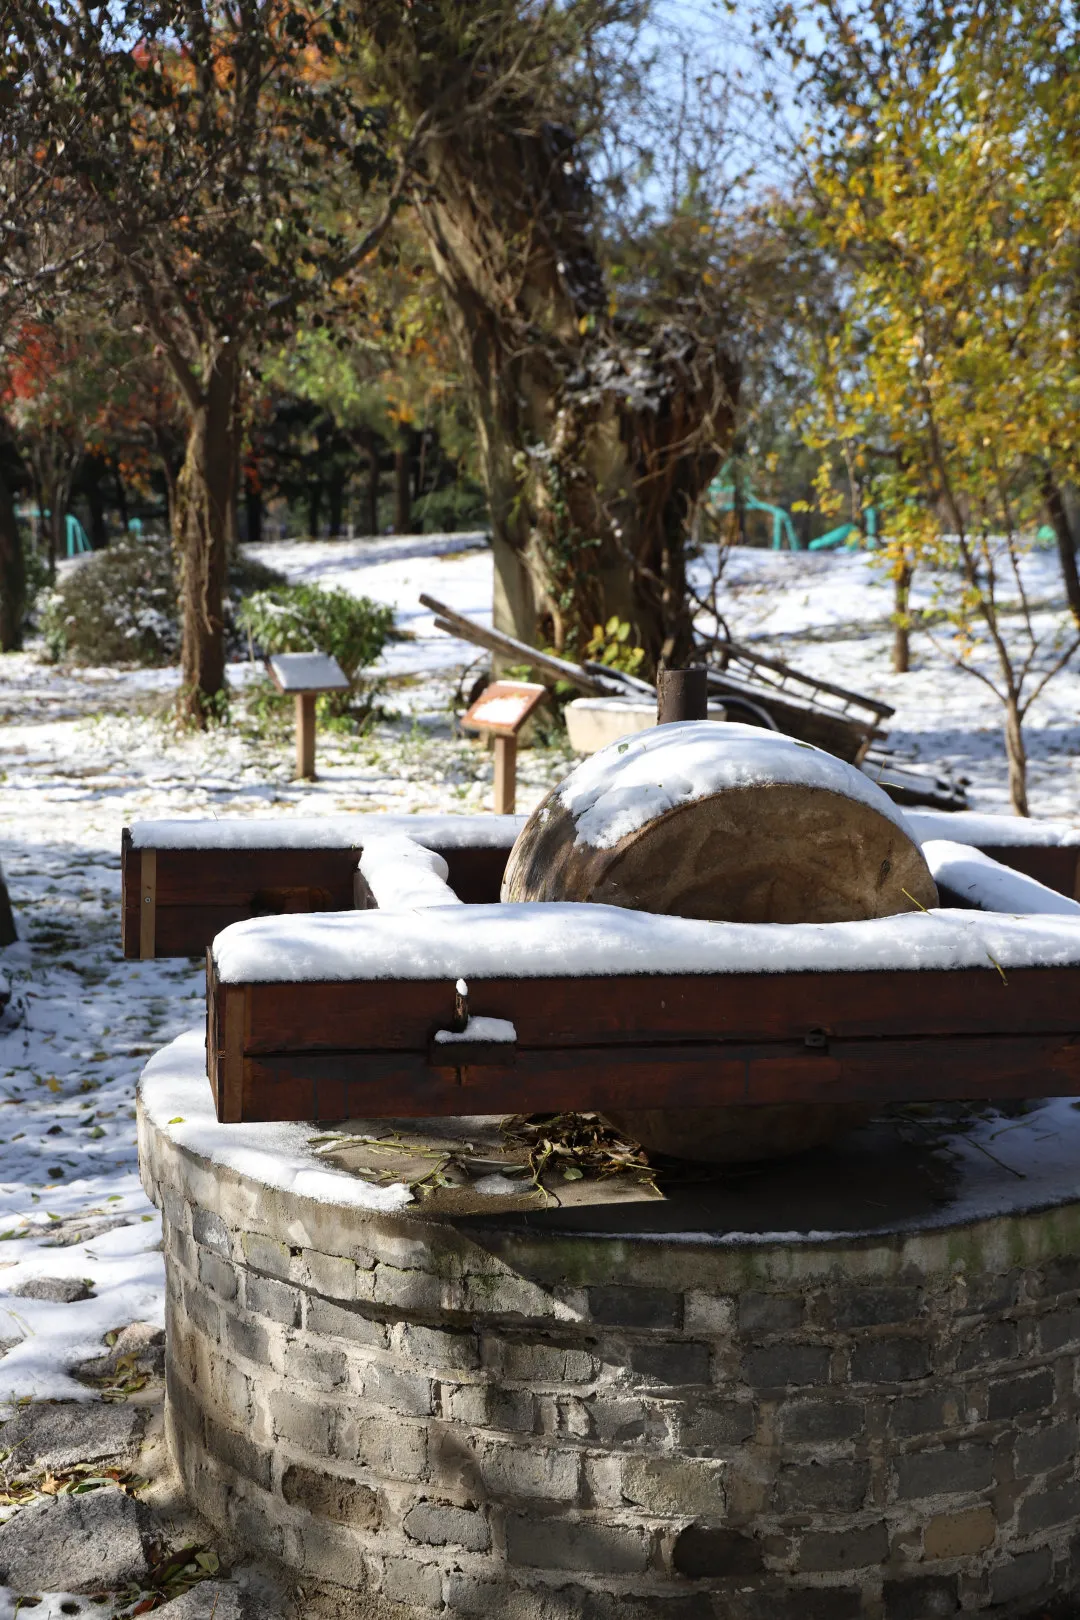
point(84, 753)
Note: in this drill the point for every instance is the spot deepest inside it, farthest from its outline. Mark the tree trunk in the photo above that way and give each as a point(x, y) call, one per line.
point(253, 509)
point(1066, 544)
point(8, 932)
point(403, 459)
point(99, 531)
point(372, 492)
point(901, 661)
point(336, 498)
point(314, 502)
point(121, 496)
point(201, 533)
point(1017, 756)
point(595, 435)
point(12, 573)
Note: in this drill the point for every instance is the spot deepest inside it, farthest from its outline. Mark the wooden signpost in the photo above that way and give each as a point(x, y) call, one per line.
point(501, 710)
point(305, 675)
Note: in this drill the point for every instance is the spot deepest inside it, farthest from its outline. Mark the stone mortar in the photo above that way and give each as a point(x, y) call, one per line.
point(544, 1419)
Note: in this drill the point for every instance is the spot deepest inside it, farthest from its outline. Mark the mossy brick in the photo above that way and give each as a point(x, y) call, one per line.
point(435, 1350)
point(959, 1535)
point(330, 1496)
point(876, 1307)
point(894, 1360)
point(632, 1307)
point(820, 1421)
point(934, 1410)
point(682, 1487)
point(510, 1472)
point(584, 1545)
point(1046, 1509)
point(1024, 1576)
point(994, 1342)
point(383, 1385)
point(323, 1316)
point(782, 1366)
point(704, 1551)
point(770, 1313)
point(833, 1486)
point(1059, 1329)
point(274, 1300)
point(538, 1363)
point(443, 1524)
point(210, 1231)
point(671, 1364)
point(264, 1253)
point(856, 1547)
point(710, 1426)
point(317, 1366)
point(944, 1472)
point(1039, 1450)
point(1020, 1393)
point(301, 1422)
point(218, 1275)
point(920, 1597)
point(407, 1581)
point(238, 1452)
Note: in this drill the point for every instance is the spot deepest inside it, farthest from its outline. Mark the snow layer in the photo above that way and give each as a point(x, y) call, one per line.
point(542, 939)
point(327, 832)
point(401, 874)
point(630, 782)
point(175, 1096)
point(969, 827)
point(991, 886)
point(479, 1028)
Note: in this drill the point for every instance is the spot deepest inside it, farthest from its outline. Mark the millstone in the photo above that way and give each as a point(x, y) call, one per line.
point(728, 823)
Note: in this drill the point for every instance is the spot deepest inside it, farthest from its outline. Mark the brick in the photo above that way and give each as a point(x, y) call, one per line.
point(711, 1314)
point(671, 1364)
point(876, 1307)
point(674, 1486)
point(1027, 1392)
point(231, 1391)
point(1039, 1450)
point(701, 1551)
point(183, 1402)
point(890, 1361)
point(330, 1274)
point(486, 1406)
point(1022, 1577)
point(324, 1317)
point(265, 1296)
point(585, 1544)
point(514, 1471)
point(770, 1313)
point(252, 1525)
point(266, 1254)
point(1062, 1276)
point(1049, 1508)
point(203, 1311)
point(1059, 1329)
point(407, 1290)
point(990, 1294)
point(540, 1364)
point(929, 1413)
point(406, 1581)
point(435, 1350)
point(441, 1524)
point(804, 1603)
point(635, 1307)
point(316, 1366)
point(399, 1391)
point(247, 1339)
point(922, 1598)
point(217, 1274)
point(959, 1535)
point(333, 1547)
point(329, 1496)
point(995, 1342)
point(782, 1365)
point(236, 1451)
point(839, 1486)
point(712, 1426)
point(300, 1421)
point(821, 1420)
point(389, 1446)
point(936, 1473)
point(823, 1550)
point(210, 1231)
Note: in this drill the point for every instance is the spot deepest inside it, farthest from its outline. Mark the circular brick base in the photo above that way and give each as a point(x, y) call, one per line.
point(637, 1411)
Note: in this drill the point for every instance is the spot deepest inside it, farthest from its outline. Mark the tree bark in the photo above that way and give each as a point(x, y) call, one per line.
point(901, 629)
point(403, 483)
point(1066, 542)
point(314, 502)
point(253, 508)
point(1016, 753)
point(335, 492)
point(204, 493)
point(12, 573)
point(371, 443)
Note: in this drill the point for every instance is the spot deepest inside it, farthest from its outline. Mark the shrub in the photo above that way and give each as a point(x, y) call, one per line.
point(303, 618)
point(448, 511)
point(118, 606)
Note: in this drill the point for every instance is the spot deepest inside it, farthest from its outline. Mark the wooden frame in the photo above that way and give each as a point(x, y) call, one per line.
point(526, 696)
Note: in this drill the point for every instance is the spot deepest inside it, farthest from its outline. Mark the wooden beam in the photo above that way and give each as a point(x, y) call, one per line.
point(148, 906)
point(505, 775)
point(305, 736)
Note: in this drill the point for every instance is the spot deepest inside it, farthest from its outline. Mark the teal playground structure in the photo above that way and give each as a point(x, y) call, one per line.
point(723, 497)
point(76, 540)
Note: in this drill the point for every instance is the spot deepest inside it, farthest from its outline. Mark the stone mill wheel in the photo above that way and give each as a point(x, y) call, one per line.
point(728, 823)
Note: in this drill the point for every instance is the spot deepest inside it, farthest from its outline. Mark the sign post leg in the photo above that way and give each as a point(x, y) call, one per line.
point(305, 735)
point(505, 775)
